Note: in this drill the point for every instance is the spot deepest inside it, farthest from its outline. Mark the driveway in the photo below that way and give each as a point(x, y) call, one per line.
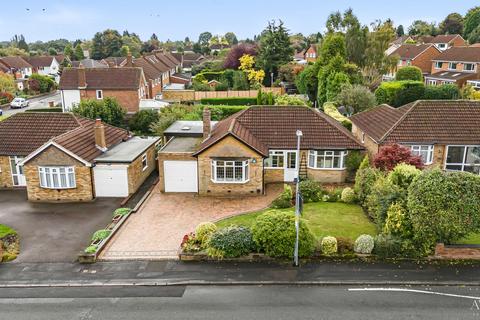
point(156, 230)
point(53, 232)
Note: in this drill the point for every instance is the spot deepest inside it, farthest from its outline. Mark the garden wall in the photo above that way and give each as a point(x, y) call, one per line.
point(188, 95)
point(457, 252)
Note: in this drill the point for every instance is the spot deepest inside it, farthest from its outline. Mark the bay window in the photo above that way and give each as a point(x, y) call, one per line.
point(423, 151)
point(57, 177)
point(326, 159)
point(463, 158)
point(230, 171)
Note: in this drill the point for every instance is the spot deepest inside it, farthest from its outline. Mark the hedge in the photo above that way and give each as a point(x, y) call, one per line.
point(442, 92)
point(220, 112)
point(210, 75)
point(45, 110)
point(399, 93)
point(409, 73)
point(331, 110)
point(234, 101)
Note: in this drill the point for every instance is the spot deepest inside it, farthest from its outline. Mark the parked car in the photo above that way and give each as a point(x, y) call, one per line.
point(19, 103)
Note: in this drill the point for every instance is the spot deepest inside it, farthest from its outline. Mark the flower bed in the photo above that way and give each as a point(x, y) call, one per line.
point(9, 243)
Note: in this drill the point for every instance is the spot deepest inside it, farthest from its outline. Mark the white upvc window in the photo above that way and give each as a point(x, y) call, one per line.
point(431, 82)
point(363, 137)
point(99, 94)
point(452, 66)
point(276, 159)
point(144, 162)
point(423, 151)
point(438, 64)
point(57, 177)
point(327, 159)
point(230, 171)
point(463, 158)
point(468, 67)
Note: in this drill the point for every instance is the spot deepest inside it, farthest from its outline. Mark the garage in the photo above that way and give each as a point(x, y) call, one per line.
point(111, 180)
point(180, 176)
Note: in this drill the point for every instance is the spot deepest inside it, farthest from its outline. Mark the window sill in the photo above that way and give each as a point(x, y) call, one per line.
point(230, 182)
point(48, 188)
point(327, 169)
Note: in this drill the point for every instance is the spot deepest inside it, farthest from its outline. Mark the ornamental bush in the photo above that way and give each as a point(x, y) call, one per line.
point(91, 249)
point(389, 156)
point(409, 73)
point(141, 121)
point(442, 92)
point(345, 245)
point(403, 174)
point(387, 246)
point(203, 232)
point(284, 200)
point(383, 193)
point(234, 101)
point(101, 234)
point(443, 207)
point(364, 181)
point(230, 242)
point(352, 163)
point(121, 211)
point(329, 245)
point(311, 191)
point(364, 244)
point(397, 222)
point(274, 233)
point(348, 195)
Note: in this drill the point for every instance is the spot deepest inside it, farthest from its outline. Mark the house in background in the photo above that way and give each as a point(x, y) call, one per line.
point(457, 65)
point(446, 41)
point(89, 63)
point(63, 157)
point(445, 133)
point(311, 53)
point(418, 55)
point(19, 68)
point(394, 45)
point(127, 85)
point(45, 66)
point(254, 147)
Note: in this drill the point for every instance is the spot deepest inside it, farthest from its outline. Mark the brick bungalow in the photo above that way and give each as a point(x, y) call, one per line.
point(63, 157)
point(254, 147)
point(445, 133)
point(420, 56)
point(127, 85)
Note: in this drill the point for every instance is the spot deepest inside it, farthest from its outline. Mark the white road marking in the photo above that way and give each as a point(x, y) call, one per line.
point(415, 291)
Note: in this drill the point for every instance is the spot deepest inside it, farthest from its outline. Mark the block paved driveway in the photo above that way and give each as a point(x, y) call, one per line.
point(156, 230)
point(53, 232)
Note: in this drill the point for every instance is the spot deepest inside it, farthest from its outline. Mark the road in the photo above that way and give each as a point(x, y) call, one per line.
point(37, 103)
point(239, 302)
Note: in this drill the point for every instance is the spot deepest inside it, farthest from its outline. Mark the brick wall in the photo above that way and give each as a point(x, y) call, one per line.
point(438, 156)
point(128, 99)
point(230, 147)
point(369, 144)
point(327, 176)
point(424, 61)
point(179, 95)
point(5, 172)
point(136, 174)
point(54, 157)
point(458, 42)
point(457, 252)
point(274, 175)
point(181, 156)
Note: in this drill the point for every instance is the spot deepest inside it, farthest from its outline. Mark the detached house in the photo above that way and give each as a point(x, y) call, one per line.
point(63, 157)
point(414, 55)
point(19, 68)
point(446, 41)
point(45, 66)
point(127, 85)
point(444, 133)
point(254, 147)
point(311, 53)
point(457, 65)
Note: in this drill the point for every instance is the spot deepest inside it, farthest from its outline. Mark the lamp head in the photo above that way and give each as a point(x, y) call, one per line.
point(299, 133)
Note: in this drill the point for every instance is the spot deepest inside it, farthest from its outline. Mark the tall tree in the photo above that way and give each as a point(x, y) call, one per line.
point(422, 28)
point(68, 52)
point(79, 52)
point(400, 31)
point(275, 49)
point(106, 44)
point(231, 38)
point(453, 24)
point(204, 38)
point(472, 22)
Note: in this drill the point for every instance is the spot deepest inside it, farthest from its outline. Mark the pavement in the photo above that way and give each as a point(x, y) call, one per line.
point(37, 103)
point(242, 302)
point(53, 232)
point(157, 229)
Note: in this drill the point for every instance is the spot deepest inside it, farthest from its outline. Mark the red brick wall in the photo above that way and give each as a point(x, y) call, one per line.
point(458, 42)
point(424, 61)
point(128, 99)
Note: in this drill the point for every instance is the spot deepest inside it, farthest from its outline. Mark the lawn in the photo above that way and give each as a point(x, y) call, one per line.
point(473, 238)
point(6, 231)
point(324, 219)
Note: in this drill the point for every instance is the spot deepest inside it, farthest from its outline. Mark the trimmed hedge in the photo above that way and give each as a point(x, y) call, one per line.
point(233, 101)
point(331, 110)
point(442, 92)
point(409, 73)
point(220, 112)
point(399, 93)
point(45, 110)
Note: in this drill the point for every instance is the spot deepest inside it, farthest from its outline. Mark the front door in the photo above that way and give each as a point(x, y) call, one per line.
point(17, 172)
point(290, 171)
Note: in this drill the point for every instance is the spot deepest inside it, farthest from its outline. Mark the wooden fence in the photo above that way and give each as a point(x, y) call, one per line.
point(191, 95)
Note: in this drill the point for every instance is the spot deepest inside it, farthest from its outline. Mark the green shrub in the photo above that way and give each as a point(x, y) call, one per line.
point(352, 163)
point(345, 245)
point(348, 195)
point(108, 109)
point(364, 181)
point(311, 190)
point(45, 83)
point(398, 93)
point(221, 87)
point(333, 195)
point(122, 211)
point(91, 249)
point(329, 245)
point(101, 234)
point(365, 163)
point(274, 233)
point(204, 231)
point(387, 246)
point(397, 222)
point(141, 121)
point(45, 110)
point(442, 92)
point(364, 244)
point(443, 207)
point(235, 101)
point(220, 112)
point(331, 110)
point(409, 73)
point(402, 175)
point(290, 100)
point(383, 193)
point(230, 242)
point(284, 200)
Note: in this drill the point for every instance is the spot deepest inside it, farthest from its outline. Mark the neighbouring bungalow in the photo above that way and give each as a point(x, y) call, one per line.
point(445, 133)
point(251, 148)
point(63, 157)
point(127, 85)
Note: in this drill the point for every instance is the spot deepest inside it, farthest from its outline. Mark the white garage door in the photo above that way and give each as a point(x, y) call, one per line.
point(111, 181)
point(180, 176)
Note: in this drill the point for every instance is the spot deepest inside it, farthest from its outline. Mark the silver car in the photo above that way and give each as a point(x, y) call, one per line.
point(19, 103)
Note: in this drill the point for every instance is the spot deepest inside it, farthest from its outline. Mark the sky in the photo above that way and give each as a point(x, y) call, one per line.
point(174, 19)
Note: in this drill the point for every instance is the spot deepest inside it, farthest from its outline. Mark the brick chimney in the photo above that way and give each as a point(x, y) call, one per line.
point(100, 141)
point(82, 78)
point(129, 60)
point(206, 123)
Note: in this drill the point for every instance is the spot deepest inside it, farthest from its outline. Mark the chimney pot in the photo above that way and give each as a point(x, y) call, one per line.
point(99, 130)
point(206, 123)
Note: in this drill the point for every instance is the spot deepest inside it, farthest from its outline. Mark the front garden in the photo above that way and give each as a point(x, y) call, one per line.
point(9, 243)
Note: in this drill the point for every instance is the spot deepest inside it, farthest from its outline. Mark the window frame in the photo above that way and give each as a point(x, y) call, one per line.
point(463, 164)
point(469, 64)
point(49, 176)
point(315, 154)
point(430, 152)
point(245, 168)
point(438, 64)
point(276, 153)
point(450, 64)
point(144, 162)
point(99, 94)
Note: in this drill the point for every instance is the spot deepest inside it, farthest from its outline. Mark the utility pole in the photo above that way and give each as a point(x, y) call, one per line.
point(297, 199)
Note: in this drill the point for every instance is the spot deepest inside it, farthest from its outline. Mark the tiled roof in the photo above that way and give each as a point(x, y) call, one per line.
point(39, 61)
point(89, 63)
point(81, 141)
point(401, 40)
point(165, 60)
point(24, 132)
point(114, 61)
point(424, 121)
point(274, 127)
point(156, 63)
point(15, 62)
point(444, 38)
point(467, 54)
point(172, 58)
point(411, 51)
point(103, 78)
point(151, 72)
point(452, 75)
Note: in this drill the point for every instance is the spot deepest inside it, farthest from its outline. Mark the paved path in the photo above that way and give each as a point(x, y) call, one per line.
point(156, 230)
point(36, 103)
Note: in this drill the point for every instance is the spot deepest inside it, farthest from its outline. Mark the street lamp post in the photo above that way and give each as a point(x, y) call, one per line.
point(297, 200)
